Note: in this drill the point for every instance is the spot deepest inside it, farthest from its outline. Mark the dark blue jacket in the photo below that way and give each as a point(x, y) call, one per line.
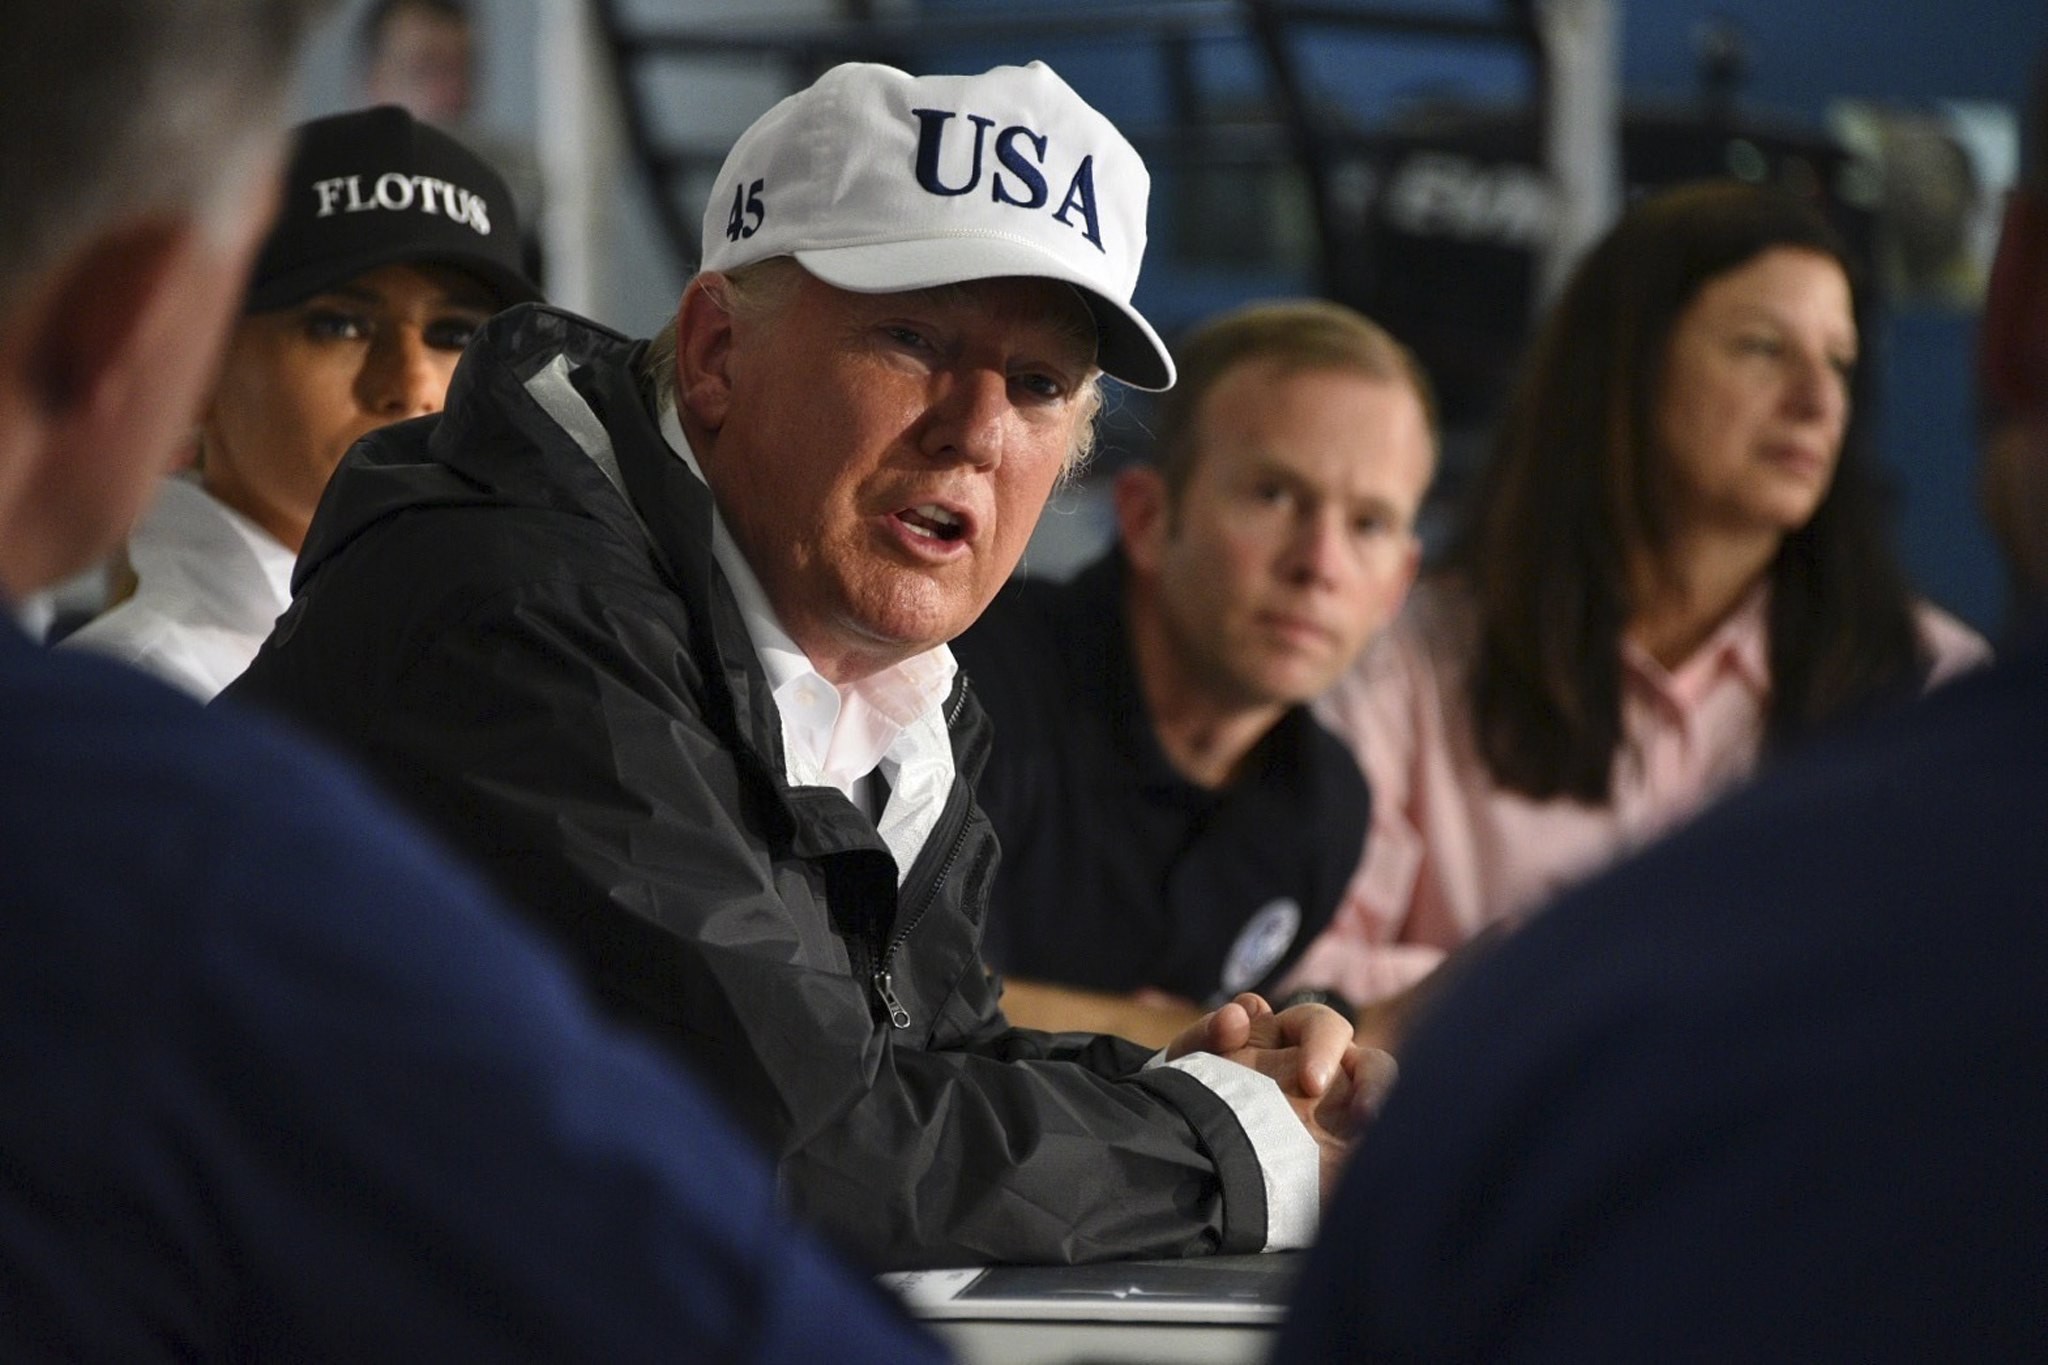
point(1773, 1091)
point(277, 1082)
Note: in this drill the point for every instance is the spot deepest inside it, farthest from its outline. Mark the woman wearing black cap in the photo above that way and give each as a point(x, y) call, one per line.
point(392, 245)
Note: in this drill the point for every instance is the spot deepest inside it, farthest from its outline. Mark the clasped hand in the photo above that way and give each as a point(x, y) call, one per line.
point(1334, 1085)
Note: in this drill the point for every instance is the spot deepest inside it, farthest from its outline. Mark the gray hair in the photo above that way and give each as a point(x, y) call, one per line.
point(756, 293)
point(114, 110)
point(759, 292)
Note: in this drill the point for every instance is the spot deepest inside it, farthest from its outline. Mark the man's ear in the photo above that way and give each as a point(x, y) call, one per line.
point(87, 324)
point(1143, 517)
point(704, 334)
point(105, 365)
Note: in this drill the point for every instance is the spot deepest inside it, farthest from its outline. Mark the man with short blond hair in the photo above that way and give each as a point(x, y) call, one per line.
point(1176, 826)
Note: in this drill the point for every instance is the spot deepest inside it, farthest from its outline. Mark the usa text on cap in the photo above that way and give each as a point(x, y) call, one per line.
point(878, 181)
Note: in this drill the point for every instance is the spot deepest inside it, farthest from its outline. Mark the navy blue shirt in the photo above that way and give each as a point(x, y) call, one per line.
point(1772, 1092)
point(277, 1081)
point(1117, 872)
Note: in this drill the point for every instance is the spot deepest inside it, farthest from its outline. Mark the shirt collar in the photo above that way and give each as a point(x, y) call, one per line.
point(1744, 638)
point(1740, 646)
point(190, 542)
point(832, 735)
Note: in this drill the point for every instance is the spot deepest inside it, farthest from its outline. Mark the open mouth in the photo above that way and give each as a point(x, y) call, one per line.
point(933, 522)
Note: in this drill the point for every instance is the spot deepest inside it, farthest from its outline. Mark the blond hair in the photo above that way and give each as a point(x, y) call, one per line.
point(1293, 334)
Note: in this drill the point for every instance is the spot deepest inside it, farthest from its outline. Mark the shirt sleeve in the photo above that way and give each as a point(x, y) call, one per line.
point(1289, 1160)
point(1953, 646)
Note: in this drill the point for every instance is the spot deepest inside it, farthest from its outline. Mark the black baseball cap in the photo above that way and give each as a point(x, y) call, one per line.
point(378, 187)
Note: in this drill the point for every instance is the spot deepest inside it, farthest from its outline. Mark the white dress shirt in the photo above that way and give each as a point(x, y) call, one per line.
point(210, 584)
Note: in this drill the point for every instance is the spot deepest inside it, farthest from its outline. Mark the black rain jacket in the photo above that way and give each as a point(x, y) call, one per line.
point(511, 613)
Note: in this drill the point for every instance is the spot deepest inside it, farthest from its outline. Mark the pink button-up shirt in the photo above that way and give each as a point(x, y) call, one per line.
point(1450, 852)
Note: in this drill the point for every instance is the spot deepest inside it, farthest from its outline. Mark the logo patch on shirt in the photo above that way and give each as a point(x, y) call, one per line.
point(1263, 941)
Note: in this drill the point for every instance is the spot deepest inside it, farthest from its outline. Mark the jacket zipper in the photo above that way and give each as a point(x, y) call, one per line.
point(884, 980)
point(885, 988)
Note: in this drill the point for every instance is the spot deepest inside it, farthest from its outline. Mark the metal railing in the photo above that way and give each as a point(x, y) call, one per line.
point(1567, 42)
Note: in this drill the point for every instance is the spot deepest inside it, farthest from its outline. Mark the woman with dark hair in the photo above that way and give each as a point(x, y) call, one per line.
point(392, 244)
point(1674, 565)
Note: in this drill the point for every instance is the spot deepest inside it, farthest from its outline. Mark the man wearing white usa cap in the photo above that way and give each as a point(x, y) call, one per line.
point(657, 633)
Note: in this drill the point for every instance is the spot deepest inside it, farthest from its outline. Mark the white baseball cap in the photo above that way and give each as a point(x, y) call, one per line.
point(878, 182)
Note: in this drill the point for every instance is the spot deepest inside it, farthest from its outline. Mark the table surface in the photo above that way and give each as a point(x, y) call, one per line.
point(1191, 1312)
point(984, 1342)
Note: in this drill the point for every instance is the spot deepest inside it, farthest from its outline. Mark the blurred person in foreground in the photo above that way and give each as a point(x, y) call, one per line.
point(2012, 375)
point(1770, 1091)
point(657, 634)
point(277, 1080)
point(1176, 826)
point(1674, 567)
point(393, 243)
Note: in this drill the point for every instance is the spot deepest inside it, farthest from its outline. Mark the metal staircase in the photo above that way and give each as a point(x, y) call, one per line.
point(655, 58)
